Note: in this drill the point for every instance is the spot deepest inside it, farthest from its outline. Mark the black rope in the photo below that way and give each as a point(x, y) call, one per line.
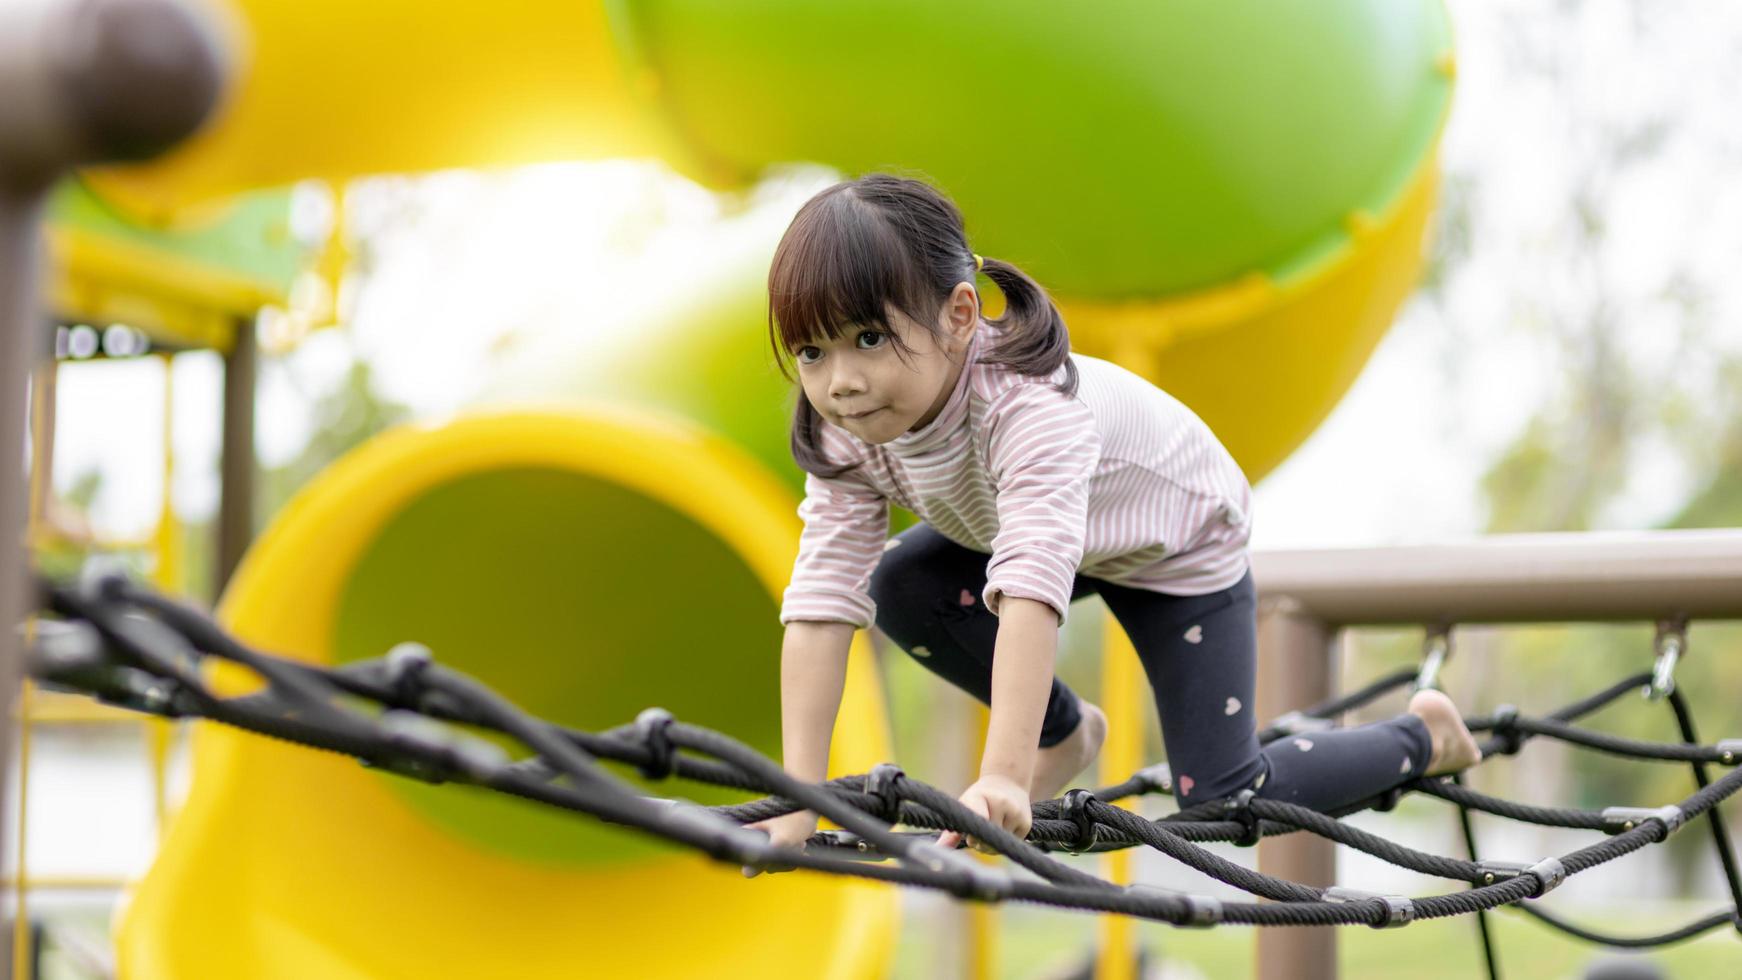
point(1726, 855)
point(127, 646)
point(1632, 748)
point(1332, 707)
point(1689, 931)
point(1489, 958)
point(1541, 815)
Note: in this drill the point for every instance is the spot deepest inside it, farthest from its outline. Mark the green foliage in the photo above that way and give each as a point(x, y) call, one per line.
point(344, 418)
point(1645, 387)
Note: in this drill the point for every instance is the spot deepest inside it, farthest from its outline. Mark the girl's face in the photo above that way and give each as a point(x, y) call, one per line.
point(859, 381)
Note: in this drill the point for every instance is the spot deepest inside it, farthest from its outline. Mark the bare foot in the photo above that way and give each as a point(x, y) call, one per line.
point(1061, 763)
point(1454, 747)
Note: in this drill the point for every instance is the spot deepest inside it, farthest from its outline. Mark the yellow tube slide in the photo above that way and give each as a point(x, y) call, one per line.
point(586, 564)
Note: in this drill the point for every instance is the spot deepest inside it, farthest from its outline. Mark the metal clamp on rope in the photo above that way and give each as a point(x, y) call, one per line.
point(969, 877)
point(1435, 649)
point(408, 731)
point(845, 840)
point(1620, 819)
point(158, 697)
point(1201, 910)
point(880, 784)
point(1506, 729)
point(1204, 910)
point(1399, 911)
point(720, 838)
point(1492, 872)
point(1549, 872)
point(1296, 723)
point(1238, 808)
point(1671, 641)
point(1075, 808)
point(535, 768)
point(1157, 778)
point(71, 656)
point(445, 750)
point(1730, 751)
point(651, 727)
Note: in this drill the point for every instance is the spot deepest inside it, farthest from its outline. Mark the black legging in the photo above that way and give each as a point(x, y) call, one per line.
point(1200, 653)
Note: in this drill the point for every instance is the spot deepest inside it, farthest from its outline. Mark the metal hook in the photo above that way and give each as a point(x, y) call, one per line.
point(1670, 643)
point(1435, 651)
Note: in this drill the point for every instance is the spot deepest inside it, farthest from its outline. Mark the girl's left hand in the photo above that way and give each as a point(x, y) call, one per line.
point(999, 799)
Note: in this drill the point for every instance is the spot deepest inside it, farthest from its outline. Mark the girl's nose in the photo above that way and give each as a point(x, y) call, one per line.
point(845, 382)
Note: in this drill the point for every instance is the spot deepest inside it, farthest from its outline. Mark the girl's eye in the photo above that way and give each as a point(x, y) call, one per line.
point(870, 339)
point(808, 355)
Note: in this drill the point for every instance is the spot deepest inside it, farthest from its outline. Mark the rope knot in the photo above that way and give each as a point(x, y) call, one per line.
point(880, 785)
point(406, 665)
point(652, 727)
point(1074, 807)
point(1238, 808)
point(1506, 729)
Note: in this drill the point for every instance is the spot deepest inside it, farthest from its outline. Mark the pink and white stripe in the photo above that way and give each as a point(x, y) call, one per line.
point(1121, 482)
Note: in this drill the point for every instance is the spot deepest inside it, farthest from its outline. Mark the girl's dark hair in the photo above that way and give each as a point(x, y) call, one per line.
point(862, 247)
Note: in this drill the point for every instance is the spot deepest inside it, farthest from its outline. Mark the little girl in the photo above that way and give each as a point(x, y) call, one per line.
point(1042, 476)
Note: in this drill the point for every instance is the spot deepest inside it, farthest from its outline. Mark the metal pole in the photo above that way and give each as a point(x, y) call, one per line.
point(1295, 669)
point(83, 81)
point(1122, 697)
point(1516, 578)
point(236, 496)
point(20, 331)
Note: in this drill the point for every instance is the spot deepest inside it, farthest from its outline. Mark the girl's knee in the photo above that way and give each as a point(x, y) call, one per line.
point(904, 608)
point(898, 607)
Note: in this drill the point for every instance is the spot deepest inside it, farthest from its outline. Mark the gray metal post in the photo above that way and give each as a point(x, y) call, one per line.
point(20, 333)
point(1295, 668)
point(83, 81)
point(236, 502)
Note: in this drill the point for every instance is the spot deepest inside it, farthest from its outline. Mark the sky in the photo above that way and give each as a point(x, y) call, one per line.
point(472, 269)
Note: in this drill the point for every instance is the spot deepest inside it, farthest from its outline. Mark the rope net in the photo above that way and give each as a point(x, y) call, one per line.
point(406, 713)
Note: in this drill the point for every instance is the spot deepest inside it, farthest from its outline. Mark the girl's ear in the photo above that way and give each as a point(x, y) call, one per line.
point(962, 312)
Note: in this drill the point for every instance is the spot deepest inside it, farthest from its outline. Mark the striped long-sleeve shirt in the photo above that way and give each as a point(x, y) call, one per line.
point(1121, 482)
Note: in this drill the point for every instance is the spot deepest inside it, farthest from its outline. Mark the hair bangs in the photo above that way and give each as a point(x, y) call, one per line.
point(839, 266)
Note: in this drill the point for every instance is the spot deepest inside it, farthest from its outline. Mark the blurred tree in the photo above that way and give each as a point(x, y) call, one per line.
point(1642, 423)
point(344, 417)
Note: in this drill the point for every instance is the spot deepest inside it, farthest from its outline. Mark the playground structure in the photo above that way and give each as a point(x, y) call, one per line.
point(1295, 230)
point(97, 646)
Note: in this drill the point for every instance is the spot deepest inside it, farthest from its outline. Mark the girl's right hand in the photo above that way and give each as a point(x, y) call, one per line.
point(790, 830)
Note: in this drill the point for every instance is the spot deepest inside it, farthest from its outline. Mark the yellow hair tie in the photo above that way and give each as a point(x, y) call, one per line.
point(979, 263)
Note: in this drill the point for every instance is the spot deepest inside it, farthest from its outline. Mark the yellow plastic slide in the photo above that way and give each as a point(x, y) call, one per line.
point(577, 562)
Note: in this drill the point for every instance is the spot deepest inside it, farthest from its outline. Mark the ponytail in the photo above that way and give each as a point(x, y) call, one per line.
point(807, 442)
point(1035, 340)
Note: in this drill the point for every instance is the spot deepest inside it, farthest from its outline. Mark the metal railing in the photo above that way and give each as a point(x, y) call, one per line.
point(1307, 597)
